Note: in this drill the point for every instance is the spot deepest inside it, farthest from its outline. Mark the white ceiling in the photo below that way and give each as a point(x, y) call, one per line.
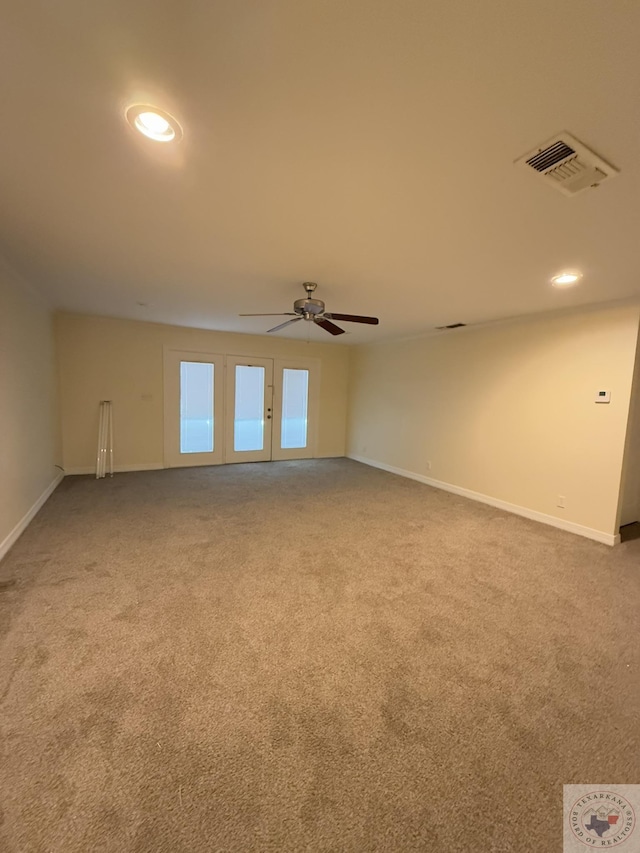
point(367, 145)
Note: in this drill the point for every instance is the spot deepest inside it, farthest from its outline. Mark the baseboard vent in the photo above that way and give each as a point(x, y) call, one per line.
point(567, 165)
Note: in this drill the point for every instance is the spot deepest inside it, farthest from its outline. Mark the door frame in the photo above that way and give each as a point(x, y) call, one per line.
point(171, 405)
point(313, 407)
point(231, 455)
point(171, 402)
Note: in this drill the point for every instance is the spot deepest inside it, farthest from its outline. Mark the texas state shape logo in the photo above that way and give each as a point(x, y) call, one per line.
point(602, 819)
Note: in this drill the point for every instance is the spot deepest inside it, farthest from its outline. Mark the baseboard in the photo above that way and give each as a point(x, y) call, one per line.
point(20, 527)
point(117, 469)
point(533, 515)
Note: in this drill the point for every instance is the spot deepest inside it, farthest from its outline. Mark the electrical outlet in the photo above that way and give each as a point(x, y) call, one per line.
point(428, 466)
point(561, 500)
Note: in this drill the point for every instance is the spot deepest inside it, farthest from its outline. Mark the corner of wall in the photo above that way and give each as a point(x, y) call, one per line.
point(629, 496)
point(28, 405)
point(506, 412)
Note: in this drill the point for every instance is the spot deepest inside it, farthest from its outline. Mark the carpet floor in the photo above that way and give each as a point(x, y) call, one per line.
point(306, 656)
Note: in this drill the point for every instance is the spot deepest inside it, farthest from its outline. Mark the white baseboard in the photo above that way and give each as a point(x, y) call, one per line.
point(20, 527)
point(117, 469)
point(534, 515)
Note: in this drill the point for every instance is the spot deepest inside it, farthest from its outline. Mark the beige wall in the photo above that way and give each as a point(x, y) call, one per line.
point(122, 360)
point(505, 410)
point(29, 439)
point(630, 498)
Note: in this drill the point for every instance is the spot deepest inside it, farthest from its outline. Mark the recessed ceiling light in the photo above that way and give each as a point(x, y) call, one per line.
point(566, 279)
point(154, 123)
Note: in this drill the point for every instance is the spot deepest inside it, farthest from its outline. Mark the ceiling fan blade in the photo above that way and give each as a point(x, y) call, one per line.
point(328, 326)
point(278, 314)
point(352, 318)
point(282, 325)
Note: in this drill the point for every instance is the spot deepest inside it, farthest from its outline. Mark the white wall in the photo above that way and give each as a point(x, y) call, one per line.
point(102, 358)
point(630, 498)
point(506, 411)
point(29, 436)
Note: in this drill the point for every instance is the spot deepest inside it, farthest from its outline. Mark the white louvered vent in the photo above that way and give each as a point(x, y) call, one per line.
point(567, 165)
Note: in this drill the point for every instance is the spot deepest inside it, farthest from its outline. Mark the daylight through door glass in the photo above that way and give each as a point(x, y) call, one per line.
point(248, 424)
point(295, 397)
point(196, 407)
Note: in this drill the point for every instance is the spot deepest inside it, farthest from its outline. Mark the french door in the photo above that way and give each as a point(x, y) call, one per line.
point(295, 405)
point(193, 409)
point(227, 408)
point(249, 409)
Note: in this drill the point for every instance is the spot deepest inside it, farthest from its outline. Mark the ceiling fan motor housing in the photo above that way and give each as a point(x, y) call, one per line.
point(308, 306)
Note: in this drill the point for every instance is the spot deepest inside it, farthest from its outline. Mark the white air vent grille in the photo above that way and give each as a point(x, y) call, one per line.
point(567, 164)
point(548, 157)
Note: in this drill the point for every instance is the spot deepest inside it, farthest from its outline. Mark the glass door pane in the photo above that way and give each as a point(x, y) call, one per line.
point(248, 424)
point(248, 417)
point(295, 400)
point(193, 408)
point(196, 407)
point(296, 389)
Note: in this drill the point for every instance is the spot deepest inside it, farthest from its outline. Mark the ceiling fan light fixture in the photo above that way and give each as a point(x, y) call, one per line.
point(154, 123)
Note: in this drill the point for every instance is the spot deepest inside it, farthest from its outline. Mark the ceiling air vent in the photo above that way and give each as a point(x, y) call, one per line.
point(567, 165)
point(452, 326)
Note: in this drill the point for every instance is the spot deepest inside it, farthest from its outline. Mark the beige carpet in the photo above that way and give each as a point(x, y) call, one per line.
point(306, 656)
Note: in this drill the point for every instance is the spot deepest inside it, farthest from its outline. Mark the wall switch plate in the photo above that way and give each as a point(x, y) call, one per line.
point(603, 396)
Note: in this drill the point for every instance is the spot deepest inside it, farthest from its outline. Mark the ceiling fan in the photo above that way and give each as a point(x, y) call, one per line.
point(312, 310)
